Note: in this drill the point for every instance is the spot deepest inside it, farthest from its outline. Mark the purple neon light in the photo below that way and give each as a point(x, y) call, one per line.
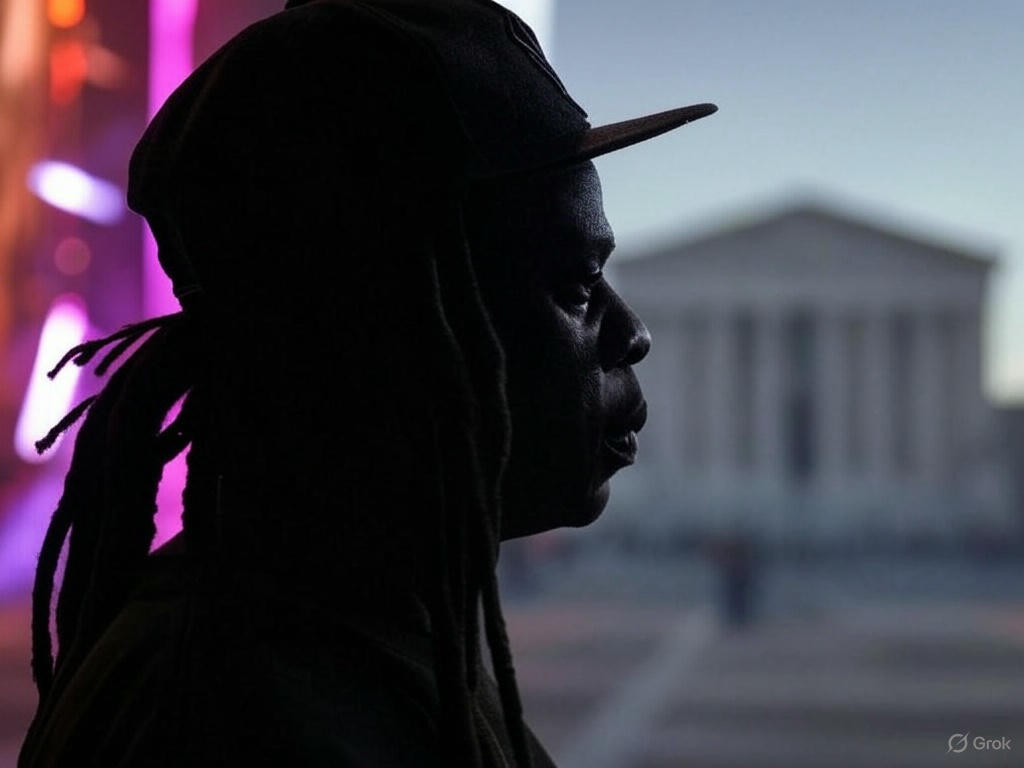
point(29, 507)
point(73, 190)
point(47, 401)
point(171, 26)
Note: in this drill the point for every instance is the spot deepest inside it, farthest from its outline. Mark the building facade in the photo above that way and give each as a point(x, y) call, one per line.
point(814, 378)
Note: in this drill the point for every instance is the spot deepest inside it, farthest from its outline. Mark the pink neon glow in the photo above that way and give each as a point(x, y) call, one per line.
point(28, 509)
point(73, 190)
point(171, 25)
point(47, 401)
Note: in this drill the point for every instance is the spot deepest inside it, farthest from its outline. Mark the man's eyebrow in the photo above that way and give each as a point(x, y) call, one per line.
point(580, 248)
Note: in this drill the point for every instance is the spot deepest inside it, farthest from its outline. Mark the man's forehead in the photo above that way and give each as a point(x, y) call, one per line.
point(564, 206)
point(578, 221)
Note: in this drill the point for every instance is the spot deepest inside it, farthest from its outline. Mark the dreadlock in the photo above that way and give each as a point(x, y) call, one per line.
point(119, 455)
point(483, 371)
point(482, 448)
point(107, 508)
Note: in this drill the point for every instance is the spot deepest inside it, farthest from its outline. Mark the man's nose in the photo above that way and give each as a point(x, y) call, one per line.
point(626, 340)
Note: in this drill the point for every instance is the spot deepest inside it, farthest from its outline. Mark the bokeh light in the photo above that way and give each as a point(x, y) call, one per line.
point(65, 13)
point(47, 401)
point(73, 190)
point(72, 256)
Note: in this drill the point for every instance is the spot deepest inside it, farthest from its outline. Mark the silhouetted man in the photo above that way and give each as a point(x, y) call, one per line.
point(396, 348)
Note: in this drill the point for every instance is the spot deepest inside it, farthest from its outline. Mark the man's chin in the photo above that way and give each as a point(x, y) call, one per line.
point(594, 506)
point(576, 515)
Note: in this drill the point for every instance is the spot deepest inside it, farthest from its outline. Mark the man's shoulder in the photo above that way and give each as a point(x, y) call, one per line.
point(187, 677)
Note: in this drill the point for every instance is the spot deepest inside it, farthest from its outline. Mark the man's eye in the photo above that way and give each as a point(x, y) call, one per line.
point(579, 290)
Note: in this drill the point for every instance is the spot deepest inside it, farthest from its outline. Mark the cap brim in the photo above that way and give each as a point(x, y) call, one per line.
point(594, 142)
point(608, 138)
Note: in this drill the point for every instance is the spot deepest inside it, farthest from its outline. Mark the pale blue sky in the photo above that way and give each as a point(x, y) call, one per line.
point(905, 109)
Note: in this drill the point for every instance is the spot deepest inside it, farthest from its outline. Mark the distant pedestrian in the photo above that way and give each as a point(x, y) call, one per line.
point(734, 557)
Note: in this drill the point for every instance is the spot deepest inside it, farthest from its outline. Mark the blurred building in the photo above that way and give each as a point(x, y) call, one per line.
point(1010, 418)
point(815, 379)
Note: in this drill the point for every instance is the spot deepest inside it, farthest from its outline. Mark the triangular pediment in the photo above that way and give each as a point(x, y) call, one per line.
point(802, 240)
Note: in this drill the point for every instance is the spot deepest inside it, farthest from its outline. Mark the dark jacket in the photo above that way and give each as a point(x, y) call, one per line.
point(202, 671)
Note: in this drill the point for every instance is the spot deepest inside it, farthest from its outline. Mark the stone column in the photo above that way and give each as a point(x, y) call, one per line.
point(769, 444)
point(721, 381)
point(768, 403)
point(831, 394)
point(693, 427)
point(974, 407)
point(878, 393)
point(979, 474)
point(928, 400)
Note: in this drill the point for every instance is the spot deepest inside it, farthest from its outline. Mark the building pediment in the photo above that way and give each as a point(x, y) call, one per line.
point(802, 241)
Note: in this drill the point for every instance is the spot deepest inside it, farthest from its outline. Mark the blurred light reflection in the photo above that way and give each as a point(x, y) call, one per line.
point(73, 190)
point(47, 401)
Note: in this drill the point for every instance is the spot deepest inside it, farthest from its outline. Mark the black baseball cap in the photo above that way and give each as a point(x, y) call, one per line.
point(328, 92)
point(513, 107)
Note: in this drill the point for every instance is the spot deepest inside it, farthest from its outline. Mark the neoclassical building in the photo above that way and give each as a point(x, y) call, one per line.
point(814, 377)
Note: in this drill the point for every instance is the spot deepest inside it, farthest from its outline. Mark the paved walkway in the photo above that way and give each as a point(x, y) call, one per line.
point(872, 685)
point(620, 684)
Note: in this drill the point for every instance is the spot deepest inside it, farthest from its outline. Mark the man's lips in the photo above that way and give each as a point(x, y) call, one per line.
point(623, 448)
point(621, 440)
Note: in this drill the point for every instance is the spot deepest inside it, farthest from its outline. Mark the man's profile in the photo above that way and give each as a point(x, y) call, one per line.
point(396, 349)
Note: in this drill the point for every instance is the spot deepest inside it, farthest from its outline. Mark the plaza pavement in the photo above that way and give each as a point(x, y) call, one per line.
point(881, 682)
point(612, 680)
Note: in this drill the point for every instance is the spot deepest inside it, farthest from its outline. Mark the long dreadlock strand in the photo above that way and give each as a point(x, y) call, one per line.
point(111, 357)
point(485, 368)
point(504, 671)
point(177, 435)
point(72, 509)
point(471, 632)
point(82, 353)
point(450, 658)
point(64, 425)
point(485, 372)
point(449, 586)
point(202, 526)
point(42, 594)
point(86, 491)
point(158, 375)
